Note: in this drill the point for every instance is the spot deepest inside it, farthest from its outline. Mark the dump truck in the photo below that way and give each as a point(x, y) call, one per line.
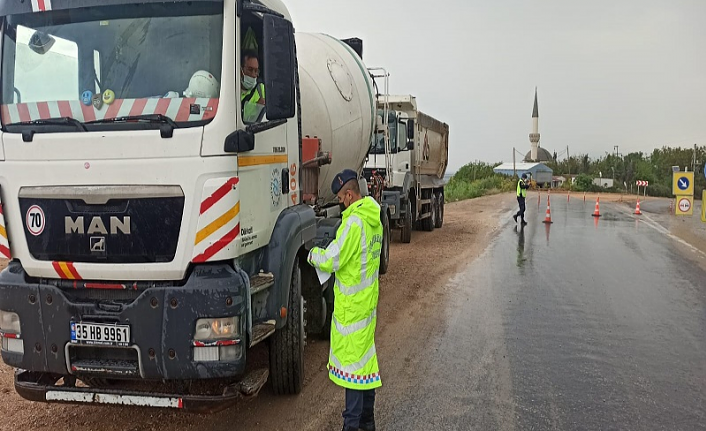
point(155, 236)
point(409, 157)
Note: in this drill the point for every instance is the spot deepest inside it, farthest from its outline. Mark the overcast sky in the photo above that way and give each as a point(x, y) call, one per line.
point(608, 72)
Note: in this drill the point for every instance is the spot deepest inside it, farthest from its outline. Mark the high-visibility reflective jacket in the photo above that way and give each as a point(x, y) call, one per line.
point(354, 255)
point(250, 103)
point(522, 189)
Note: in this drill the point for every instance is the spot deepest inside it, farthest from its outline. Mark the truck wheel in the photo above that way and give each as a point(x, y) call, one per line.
point(440, 209)
point(287, 344)
point(385, 250)
point(406, 230)
point(429, 222)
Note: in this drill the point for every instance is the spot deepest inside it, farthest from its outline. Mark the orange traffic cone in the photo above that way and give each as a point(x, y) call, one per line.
point(637, 208)
point(597, 212)
point(548, 218)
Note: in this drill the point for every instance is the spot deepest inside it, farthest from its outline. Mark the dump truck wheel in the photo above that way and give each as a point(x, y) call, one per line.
point(439, 209)
point(429, 222)
point(287, 344)
point(406, 230)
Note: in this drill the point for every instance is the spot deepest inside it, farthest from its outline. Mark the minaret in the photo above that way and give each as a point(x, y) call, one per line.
point(534, 136)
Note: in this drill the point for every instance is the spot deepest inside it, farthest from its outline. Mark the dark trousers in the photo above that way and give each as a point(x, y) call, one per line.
point(360, 407)
point(521, 212)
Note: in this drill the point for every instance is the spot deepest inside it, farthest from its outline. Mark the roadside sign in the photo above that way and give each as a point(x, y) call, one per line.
point(683, 184)
point(703, 207)
point(685, 205)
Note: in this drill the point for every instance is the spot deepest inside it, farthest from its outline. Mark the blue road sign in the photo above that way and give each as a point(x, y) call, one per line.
point(683, 183)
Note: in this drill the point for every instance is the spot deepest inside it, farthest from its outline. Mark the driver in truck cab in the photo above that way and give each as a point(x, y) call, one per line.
point(354, 255)
point(252, 92)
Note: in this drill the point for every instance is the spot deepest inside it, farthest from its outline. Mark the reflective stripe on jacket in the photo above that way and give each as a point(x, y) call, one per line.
point(354, 255)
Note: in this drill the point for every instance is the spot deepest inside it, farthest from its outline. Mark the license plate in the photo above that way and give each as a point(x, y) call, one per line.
point(100, 334)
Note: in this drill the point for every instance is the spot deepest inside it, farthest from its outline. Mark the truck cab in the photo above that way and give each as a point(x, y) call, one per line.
point(155, 235)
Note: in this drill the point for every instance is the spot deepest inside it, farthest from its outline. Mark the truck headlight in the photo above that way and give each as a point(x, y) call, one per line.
point(216, 328)
point(9, 322)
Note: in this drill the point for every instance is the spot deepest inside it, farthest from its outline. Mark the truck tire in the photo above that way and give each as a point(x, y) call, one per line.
point(385, 251)
point(429, 222)
point(439, 209)
point(287, 344)
point(406, 231)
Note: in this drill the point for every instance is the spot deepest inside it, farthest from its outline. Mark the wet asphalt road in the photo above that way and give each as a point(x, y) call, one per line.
point(584, 324)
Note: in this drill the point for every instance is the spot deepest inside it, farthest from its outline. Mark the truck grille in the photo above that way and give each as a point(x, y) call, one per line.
point(134, 230)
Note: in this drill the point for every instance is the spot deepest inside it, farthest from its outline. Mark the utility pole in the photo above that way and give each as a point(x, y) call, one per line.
point(693, 164)
point(514, 166)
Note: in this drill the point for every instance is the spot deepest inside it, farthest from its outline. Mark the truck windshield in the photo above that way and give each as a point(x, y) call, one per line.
point(101, 63)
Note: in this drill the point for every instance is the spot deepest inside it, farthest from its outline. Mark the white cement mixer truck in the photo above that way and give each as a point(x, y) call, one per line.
point(155, 235)
point(409, 157)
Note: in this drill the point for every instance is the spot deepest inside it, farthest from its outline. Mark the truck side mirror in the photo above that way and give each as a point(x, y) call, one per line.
point(410, 129)
point(240, 141)
point(410, 144)
point(279, 64)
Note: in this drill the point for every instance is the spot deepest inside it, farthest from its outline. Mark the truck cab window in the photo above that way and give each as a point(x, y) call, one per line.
point(252, 89)
point(402, 135)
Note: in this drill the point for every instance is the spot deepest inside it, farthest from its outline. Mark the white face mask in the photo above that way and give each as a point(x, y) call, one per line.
point(249, 82)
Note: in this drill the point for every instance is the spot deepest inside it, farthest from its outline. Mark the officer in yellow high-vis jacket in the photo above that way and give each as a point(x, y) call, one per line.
point(354, 255)
point(522, 187)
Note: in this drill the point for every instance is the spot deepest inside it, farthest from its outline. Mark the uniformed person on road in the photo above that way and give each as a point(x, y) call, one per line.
point(522, 187)
point(354, 256)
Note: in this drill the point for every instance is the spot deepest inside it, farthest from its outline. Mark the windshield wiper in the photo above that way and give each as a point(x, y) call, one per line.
point(167, 131)
point(28, 135)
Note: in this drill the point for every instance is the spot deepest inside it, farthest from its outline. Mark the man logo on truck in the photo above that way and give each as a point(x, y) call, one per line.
point(96, 226)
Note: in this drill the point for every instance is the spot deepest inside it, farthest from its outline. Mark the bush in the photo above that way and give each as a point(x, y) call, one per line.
point(460, 189)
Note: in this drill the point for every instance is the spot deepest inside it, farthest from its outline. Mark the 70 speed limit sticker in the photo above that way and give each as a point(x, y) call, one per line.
point(35, 220)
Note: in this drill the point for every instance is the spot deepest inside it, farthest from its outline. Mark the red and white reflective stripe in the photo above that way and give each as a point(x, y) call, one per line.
point(178, 109)
point(66, 270)
point(41, 5)
point(125, 400)
point(4, 240)
point(216, 343)
point(219, 221)
point(642, 183)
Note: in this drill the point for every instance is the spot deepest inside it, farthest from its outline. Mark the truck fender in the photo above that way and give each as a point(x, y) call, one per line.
point(294, 229)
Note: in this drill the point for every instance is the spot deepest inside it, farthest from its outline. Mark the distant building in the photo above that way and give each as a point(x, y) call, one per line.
point(558, 181)
point(603, 182)
point(539, 172)
point(542, 156)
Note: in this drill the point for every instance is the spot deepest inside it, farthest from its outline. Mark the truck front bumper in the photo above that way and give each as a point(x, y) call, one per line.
point(162, 321)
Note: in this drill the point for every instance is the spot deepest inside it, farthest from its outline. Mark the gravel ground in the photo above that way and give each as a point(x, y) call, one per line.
point(412, 292)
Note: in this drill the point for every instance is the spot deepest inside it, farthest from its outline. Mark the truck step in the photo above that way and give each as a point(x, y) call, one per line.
point(424, 201)
point(260, 282)
point(261, 331)
point(423, 216)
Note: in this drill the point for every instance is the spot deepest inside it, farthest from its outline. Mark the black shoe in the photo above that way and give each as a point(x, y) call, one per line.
point(524, 223)
point(515, 218)
point(370, 426)
point(345, 428)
